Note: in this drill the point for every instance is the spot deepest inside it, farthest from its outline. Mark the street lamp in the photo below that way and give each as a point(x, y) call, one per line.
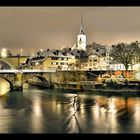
point(4, 52)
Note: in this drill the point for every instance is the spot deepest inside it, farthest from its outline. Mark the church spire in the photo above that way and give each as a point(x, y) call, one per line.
point(81, 27)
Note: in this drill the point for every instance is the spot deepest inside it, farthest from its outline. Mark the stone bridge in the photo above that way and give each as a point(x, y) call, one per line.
point(16, 78)
point(44, 78)
point(12, 62)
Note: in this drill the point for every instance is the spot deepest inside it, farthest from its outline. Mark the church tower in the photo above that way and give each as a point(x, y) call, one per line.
point(81, 37)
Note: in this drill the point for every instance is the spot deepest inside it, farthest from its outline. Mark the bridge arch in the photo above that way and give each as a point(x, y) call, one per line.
point(43, 79)
point(44, 82)
point(10, 83)
point(7, 63)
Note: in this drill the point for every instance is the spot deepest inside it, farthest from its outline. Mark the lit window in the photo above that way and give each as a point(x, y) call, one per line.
point(65, 58)
point(53, 63)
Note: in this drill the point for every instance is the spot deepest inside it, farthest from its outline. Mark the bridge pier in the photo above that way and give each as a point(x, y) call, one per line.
point(16, 88)
point(49, 78)
point(18, 82)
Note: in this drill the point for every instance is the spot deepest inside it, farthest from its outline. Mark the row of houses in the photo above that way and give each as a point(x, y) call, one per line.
point(57, 59)
point(51, 59)
point(60, 60)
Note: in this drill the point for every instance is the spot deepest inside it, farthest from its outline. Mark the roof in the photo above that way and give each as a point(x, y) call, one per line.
point(52, 53)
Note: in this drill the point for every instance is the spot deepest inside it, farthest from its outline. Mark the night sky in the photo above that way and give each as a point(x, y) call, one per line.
point(34, 28)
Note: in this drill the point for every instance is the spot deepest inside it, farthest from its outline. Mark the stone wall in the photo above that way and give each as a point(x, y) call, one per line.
point(62, 76)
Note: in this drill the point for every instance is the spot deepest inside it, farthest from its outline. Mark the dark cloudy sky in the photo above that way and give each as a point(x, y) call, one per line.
point(34, 28)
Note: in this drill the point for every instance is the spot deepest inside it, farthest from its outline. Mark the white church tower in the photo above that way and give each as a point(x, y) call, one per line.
point(81, 38)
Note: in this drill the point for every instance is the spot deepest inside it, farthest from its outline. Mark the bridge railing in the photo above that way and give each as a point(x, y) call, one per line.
point(27, 71)
point(9, 71)
point(46, 70)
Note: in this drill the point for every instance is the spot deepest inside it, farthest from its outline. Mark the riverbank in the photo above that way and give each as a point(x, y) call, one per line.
point(94, 86)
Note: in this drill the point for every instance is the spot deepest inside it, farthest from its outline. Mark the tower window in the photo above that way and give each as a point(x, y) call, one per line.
point(97, 50)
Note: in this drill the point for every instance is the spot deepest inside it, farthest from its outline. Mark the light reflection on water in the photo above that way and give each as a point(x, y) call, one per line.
point(4, 87)
point(55, 111)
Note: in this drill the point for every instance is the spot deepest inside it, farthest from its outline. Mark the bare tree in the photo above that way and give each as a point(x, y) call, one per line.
point(127, 54)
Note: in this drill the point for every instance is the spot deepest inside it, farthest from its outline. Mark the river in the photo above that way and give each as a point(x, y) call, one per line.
point(35, 110)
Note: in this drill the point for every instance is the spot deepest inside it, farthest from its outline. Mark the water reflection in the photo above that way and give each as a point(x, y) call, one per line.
point(56, 111)
point(4, 87)
point(71, 120)
point(36, 121)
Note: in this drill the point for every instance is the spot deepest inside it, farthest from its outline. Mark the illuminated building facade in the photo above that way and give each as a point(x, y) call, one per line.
point(51, 60)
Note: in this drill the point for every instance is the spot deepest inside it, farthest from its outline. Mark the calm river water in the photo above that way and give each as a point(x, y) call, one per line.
point(56, 111)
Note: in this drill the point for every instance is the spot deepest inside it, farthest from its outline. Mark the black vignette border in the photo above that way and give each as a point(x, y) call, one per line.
point(70, 3)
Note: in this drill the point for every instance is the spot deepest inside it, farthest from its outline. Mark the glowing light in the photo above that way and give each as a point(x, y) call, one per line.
point(37, 107)
point(82, 109)
point(99, 79)
point(36, 116)
point(103, 109)
point(59, 108)
point(4, 88)
point(112, 107)
point(4, 52)
point(36, 63)
point(96, 112)
point(73, 57)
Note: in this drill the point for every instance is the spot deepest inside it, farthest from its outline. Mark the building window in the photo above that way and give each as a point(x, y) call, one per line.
point(54, 58)
point(94, 60)
point(97, 50)
point(56, 63)
point(62, 63)
point(65, 58)
point(33, 64)
point(53, 63)
point(103, 54)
